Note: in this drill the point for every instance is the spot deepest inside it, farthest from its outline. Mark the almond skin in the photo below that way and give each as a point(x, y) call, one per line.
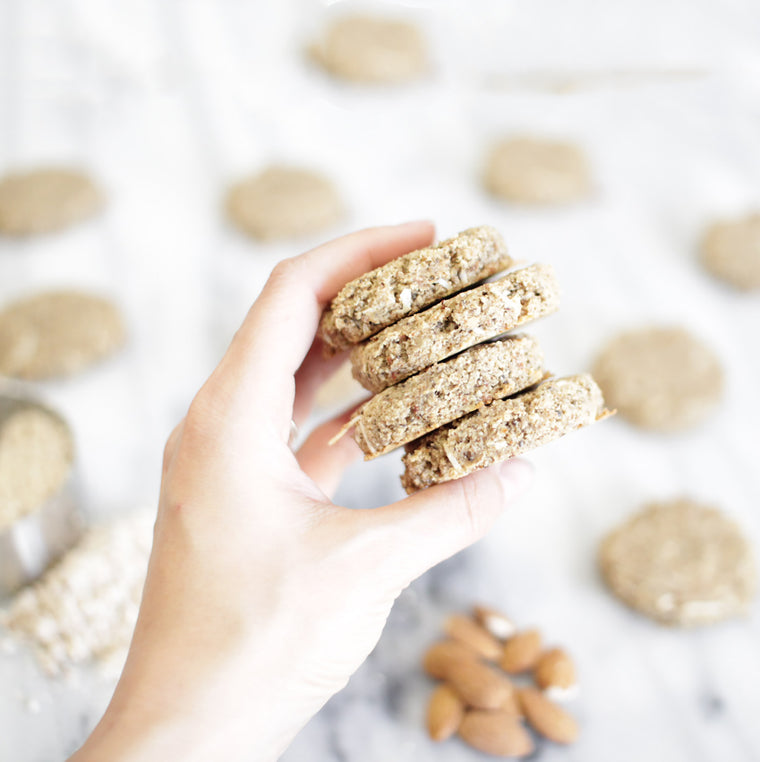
point(440, 656)
point(555, 669)
point(521, 652)
point(469, 633)
point(478, 685)
point(546, 717)
point(495, 622)
point(445, 712)
point(497, 733)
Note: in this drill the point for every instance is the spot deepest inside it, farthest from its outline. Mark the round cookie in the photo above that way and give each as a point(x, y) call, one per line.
point(283, 202)
point(468, 318)
point(661, 378)
point(372, 50)
point(44, 200)
point(36, 453)
point(410, 283)
point(57, 333)
point(530, 171)
point(731, 252)
point(446, 391)
point(501, 430)
point(680, 563)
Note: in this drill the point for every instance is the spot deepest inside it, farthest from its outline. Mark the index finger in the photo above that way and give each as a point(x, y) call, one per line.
point(276, 334)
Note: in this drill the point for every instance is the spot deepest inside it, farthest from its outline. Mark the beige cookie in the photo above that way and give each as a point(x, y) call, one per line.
point(410, 283)
point(372, 50)
point(531, 171)
point(660, 378)
point(446, 391)
point(468, 318)
point(680, 563)
point(36, 452)
point(44, 200)
point(57, 334)
point(731, 252)
point(501, 430)
point(283, 202)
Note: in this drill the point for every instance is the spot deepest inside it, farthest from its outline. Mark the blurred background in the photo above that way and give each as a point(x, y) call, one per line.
point(165, 104)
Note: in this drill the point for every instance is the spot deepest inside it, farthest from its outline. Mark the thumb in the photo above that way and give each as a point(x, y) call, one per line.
point(436, 523)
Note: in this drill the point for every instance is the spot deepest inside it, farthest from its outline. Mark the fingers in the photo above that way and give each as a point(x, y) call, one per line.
point(314, 371)
point(432, 525)
point(279, 329)
point(325, 463)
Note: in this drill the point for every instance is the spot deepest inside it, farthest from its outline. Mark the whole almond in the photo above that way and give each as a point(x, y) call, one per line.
point(555, 669)
point(469, 633)
point(546, 717)
point(495, 622)
point(521, 652)
point(497, 733)
point(440, 656)
point(445, 712)
point(478, 685)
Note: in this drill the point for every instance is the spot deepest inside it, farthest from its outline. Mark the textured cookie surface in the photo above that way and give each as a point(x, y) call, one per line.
point(56, 334)
point(731, 252)
point(501, 430)
point(473, 316)
point(410, 283)
point(530, 171)
point(660, 378)
point(372, 50)
point(283, 202)
point(44, 200)
point(680, 563)
point(445, 391)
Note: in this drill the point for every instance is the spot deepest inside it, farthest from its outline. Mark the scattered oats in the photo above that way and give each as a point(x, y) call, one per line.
point(84, 609)
point(36, 452)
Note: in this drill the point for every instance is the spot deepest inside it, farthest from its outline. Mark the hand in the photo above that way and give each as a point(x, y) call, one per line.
point(262, 596)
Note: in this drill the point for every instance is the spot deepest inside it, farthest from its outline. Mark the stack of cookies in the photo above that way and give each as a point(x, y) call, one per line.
point(427, 336)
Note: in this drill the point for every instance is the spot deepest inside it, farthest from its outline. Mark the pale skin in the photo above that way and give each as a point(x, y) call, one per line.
point(262, 595)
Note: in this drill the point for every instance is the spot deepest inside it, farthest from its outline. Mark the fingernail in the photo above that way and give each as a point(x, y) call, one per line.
point(516, 475)
point(414, 223)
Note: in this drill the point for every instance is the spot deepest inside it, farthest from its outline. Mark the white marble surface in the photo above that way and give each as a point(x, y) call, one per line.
point(167, 101)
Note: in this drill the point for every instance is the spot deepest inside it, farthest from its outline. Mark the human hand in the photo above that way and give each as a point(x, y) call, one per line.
point(262, 596)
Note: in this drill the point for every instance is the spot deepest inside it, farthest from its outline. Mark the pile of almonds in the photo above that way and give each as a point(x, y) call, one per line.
point(480, 702)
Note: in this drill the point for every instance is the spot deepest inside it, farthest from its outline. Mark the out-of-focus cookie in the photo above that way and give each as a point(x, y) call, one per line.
point(410, 283)
point(372, 50)
point(660, 378)
point(470, 317)
point(446, 391)
point(501, 430)
point(731, 252)
point(57, 333)
point(283, 202)
point(527, 170)
point(680, 563)
point(45, 200)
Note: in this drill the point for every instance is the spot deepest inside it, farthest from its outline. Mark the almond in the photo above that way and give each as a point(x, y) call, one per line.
point(555, 669)
point(521, 652)
point(469, 633)
point(497, 733)
point(495, 622)
point(440, 656)
point(479, 685)
point(445, 712)
point(546, 717)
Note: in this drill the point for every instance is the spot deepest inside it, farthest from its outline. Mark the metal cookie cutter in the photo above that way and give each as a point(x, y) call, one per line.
point(31, 543)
